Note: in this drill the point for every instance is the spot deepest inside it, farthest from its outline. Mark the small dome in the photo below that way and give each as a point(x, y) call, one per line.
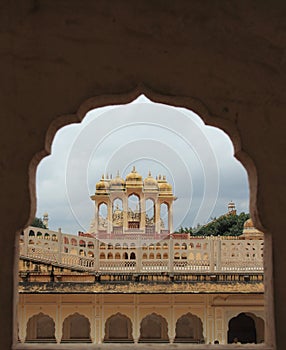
point(102, 185)
point(150, 183)
point(134, 179)
point(164, 186)
point(134, 175)
point(248, 224)
point(117, 183)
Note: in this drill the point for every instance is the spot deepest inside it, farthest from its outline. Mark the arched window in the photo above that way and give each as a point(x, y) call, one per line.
point(73, 242)
point(76, 328)
point(150, 212)
point(66, 240)
point(125, 255)
point(117, 212)
point(189, 328)
point(82, 243)
point(184, 246)
point(132, 256)
point(177, 256)
point(165, 246)
point(117, 256)
point(117, 246)
point(102, 256)
point(177, 246)
point(102, 217)
point(165, 256)
point(125, 246)
point(47, 236)
point(154, 328)
point(54, 238)
point(134, 212)
point(144, 256)
point(31, 233)
point(90, 245)
point(41, 328)
point(90, 254)
point(132, 246)
point(110, 256)
point(82, 252)
point(151, 256)
point(102, 246)
point(118, 328)
point(158, 256)
point(158, 246)
point(184, 256)
point(241, 329)
point(39, 235)
point(164, 216)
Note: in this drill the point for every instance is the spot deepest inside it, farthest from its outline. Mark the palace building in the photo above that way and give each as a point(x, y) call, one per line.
point(132, 279)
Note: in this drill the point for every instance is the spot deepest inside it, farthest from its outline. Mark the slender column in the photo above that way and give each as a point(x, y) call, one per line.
point(171, 255)
point(170, 217)
point(125, 213)
point(109, 216)
point(157, 216)
point(95, 217)
point(142, 213)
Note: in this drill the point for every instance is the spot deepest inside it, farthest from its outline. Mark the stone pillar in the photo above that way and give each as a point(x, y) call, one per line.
point(157, 217)
point(109, 216)
point(125, 213)
point(171, 255)
point(96, 215)
point(142, 213)
point(170, 217)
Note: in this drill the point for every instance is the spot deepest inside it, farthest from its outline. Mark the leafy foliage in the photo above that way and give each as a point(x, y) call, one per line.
point(38, 222)
point(225, 225)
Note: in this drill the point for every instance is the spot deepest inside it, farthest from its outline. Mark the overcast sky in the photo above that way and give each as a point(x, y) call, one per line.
point(197, 160)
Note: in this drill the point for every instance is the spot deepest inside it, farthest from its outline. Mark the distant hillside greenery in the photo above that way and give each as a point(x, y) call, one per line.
point(225, 225)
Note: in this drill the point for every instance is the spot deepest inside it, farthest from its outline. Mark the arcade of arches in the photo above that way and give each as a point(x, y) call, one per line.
point(117, 318)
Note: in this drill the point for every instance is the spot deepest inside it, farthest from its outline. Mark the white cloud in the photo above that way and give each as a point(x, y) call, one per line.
point(197, 159)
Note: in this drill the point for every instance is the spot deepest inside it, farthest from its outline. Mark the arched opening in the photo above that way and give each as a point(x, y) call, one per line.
point(118, 328)
point(150, 216)
point(189, 329)
point(164, 217)
point(117, 215)
point(76, 329)
point(153, 329)
point(40, 329)
point(132, 256)
point(241, 329)
point(134, 211)
point(102, 217)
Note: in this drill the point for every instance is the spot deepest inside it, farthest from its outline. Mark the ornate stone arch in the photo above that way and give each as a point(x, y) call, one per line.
point(154, 328)
point(242, 327)
point(40, 328)
point(118, 328)
point(76, 328)
point(189, 328)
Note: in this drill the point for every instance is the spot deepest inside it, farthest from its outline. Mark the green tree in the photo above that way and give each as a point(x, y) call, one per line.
point(225, 225)
point(38, 222)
